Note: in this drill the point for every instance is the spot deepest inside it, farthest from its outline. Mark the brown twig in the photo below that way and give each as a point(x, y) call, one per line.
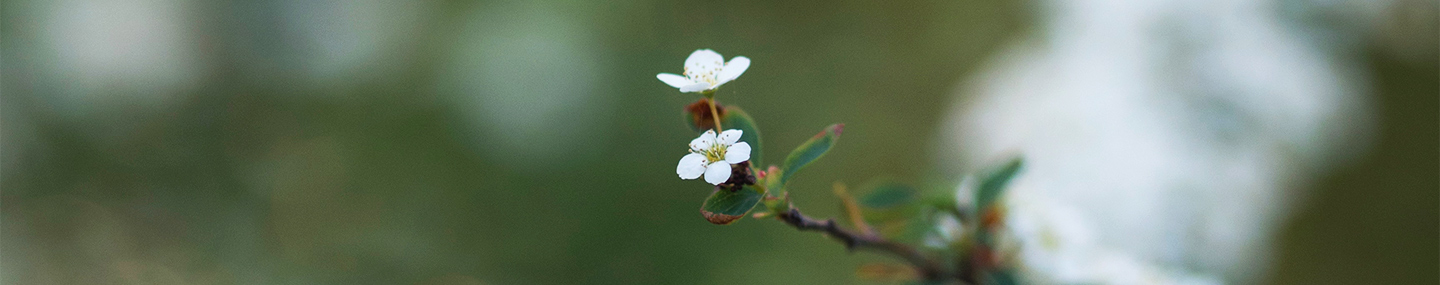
point(927, 267)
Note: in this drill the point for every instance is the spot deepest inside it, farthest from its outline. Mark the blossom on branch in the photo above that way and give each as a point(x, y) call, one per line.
point(711, 156)
point(705, 70)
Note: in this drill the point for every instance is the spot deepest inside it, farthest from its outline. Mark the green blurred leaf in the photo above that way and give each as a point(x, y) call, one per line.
point(993, 182)
point(777, 205)
point(725, 207)
point(1002, 277)
point(889, 195)
point(892, 206)
point(735, 118)
point(910, 224)
point(809, 151)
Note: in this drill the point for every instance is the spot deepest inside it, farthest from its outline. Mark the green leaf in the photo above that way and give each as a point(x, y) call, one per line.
point(1002, 277)
point(725, 207)
point(907, 224)
point(772, 181)
point(889, 202)
point(776, 205)
point(993, 182)
point(889, 195)
point(809, 151)
point(737, 119)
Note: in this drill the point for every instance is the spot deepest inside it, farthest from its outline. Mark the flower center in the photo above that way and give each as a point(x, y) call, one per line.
point(704, 72)
point(716, 152)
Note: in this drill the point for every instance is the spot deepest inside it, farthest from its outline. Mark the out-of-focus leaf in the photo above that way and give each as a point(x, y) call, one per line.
point(993, 182)
point(888, 195)
point(735, 118)
point(920, 222)
point(725, 207)
point(809, 151)
point(907, 224)
point(852, 210)
point(890, 205)
point(777, 205)
point(1002, 277)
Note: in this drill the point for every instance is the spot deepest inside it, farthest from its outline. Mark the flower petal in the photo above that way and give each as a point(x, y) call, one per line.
point(732, 70)
point(704, 58)
point(737, 153)
point(674, 80)
point(696, 87)
point(704, 141)
point(717, 172)
point(729, 137)
point(691, 166)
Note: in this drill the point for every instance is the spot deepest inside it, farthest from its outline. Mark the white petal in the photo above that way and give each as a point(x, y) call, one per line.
point(691, 166)
point(674, 80)
point(704, 141)
point(697, 87)
point(717, 173)
point(704, 57)
point(737, 153)
point(732, 70)
point(729, 137)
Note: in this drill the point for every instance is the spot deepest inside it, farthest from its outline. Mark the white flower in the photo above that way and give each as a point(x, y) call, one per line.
point(706, 70)
point(712, 156)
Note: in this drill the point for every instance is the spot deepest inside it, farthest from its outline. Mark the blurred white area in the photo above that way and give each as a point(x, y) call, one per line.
point(94, 58)
point(1056, 245)
point(1176, 132)
point(528, 75)
point(132, 53)
point(343, 39)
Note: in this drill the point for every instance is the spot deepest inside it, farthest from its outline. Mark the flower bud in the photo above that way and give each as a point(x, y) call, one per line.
point(740, 175)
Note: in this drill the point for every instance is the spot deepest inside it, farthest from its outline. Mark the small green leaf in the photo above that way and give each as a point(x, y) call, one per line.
point(905, 224)
point(889, 195)
point(737, 119)
point(809, 151)
point(993, 182)
point(1002, 277)
point(725, 207)
point(777, 205)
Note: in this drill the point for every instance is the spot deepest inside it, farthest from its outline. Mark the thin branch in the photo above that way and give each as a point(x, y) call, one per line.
point(928, 268)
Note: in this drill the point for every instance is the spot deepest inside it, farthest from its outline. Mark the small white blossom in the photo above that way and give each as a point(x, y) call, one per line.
point(712, 155)
point(706, 70)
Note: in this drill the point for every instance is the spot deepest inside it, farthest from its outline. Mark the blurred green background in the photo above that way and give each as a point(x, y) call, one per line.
point(494, 142)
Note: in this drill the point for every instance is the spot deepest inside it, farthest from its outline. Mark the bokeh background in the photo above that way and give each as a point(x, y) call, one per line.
point(528, 142)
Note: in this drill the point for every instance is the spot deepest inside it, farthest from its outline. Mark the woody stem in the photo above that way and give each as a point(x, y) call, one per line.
point(929, 269)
